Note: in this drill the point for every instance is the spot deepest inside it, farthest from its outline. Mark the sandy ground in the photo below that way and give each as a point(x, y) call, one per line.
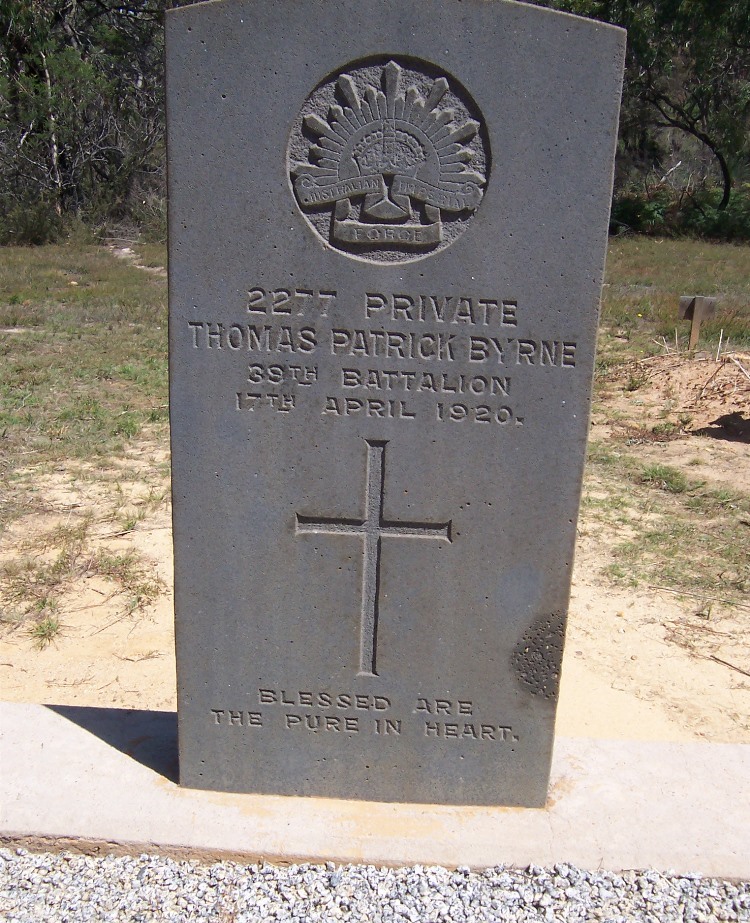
point(639, 664)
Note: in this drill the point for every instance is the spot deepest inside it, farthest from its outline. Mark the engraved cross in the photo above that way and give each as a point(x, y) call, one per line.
point(372, 528)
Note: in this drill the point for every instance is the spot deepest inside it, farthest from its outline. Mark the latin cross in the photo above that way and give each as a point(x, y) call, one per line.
point(372, 529)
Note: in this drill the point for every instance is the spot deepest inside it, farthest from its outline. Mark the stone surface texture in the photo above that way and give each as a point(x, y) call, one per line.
point(386, 250)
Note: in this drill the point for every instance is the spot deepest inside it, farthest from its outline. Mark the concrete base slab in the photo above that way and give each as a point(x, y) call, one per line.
point(83, 777)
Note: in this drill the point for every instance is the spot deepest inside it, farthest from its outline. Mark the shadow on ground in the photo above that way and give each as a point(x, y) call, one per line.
point(149, 737)
point(733, 427)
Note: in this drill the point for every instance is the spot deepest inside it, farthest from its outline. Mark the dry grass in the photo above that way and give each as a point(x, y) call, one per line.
point(674, 531)
point(647, 276)
point(83, 370)
point(83, 364)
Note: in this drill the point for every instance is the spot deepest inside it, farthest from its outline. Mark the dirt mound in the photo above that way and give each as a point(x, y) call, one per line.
point(700, 388)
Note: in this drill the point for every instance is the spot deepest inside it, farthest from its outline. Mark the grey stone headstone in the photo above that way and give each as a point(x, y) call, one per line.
point(388, 226)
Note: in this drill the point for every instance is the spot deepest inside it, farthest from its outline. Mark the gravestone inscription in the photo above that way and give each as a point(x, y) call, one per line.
point(386, 250)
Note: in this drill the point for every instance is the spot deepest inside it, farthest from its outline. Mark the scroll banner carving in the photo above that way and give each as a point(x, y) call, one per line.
point(447, 197)
point(404, 234)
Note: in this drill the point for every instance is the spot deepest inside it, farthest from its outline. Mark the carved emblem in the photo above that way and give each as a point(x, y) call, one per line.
point(393, 162)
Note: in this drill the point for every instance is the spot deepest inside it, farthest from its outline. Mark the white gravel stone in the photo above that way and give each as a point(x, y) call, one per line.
point(43, 887)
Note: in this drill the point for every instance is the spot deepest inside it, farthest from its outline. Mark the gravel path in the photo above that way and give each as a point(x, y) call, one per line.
point(68, 888)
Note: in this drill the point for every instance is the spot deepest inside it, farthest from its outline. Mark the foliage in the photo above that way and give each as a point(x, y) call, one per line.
point(664, 477)
point(688, 69)
point(33, 221)
point(81, 103)
point(665, 211)
point(708, 219)
point(82, 127)
point(45, 630)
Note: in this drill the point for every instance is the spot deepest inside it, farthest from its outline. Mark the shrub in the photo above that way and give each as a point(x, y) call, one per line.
point(664, 211)
point(642, 212)
point(705, 219)
point(30, 223)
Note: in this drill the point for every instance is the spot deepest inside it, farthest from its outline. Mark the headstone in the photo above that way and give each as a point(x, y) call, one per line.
point(696, 308)
point(388, 225)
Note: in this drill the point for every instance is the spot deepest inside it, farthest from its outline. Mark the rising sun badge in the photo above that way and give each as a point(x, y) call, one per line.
point(389, 162)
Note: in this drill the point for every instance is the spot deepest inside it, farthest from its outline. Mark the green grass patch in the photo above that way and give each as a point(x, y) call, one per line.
point(712, 501)
point(688, 554)
point(83, 367)
point(75, 284)
point(664, 477)
point(647, 276)
point(683, 534)
point(153, 255)
point(45, 630)
point(692, 266)
point(600, 454)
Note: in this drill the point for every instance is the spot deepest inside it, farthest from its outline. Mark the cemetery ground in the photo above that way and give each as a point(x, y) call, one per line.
point(658, 642)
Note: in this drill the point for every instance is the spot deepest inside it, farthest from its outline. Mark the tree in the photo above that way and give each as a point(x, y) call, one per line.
point(81, 96)
point(81, 117)
point(688, 67)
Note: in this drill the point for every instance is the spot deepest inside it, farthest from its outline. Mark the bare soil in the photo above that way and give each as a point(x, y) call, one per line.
point(640, 663)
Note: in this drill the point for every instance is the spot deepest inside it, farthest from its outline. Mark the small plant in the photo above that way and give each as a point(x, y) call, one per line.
point(138, 582)
point(599, 454)
point(663, 477)
point(127, 424)
point(129, 519)
point(665, 429)
point(618, 574)
point(720, 499)
point(636, 381)
point(45, 631)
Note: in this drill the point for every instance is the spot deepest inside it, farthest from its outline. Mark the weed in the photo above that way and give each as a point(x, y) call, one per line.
point(129, 521)
point(599, 454)
point(605, 364)
point(31, 581)
point(138, 582)
point(619, 574)
point(636, 381)
point(36, 582)
point(67, 536)
point(692, 538)
point(45, 631)
point(668, 428)
point(715, 500)
point(664, 477)
point(154, 498)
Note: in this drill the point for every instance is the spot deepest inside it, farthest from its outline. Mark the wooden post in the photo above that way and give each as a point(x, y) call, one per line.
point(696, 308)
